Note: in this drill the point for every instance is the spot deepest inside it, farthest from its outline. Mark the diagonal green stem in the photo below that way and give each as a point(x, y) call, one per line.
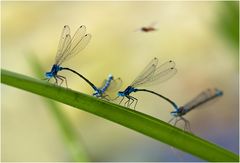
point(72, 139)
point(137, 121)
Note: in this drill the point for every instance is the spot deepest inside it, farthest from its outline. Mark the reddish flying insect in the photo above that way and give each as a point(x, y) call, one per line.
point(149, 28)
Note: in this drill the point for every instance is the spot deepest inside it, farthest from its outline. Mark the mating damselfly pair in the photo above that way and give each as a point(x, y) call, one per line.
point(68, 47)
point(153, 73)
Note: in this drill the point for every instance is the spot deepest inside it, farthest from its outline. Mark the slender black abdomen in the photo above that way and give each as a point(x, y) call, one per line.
point(165, 98)
point(81, 76)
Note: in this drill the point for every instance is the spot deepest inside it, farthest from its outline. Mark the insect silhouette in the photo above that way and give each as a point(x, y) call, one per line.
point(149, 28)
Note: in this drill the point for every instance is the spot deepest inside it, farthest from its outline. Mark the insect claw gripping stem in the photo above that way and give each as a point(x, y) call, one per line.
point(62, 78)
point(56, 82)
point(135, 102)
point(171, 120)
point(125, 104)
point(121, 100)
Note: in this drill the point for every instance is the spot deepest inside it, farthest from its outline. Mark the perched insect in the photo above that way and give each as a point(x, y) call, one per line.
point(151, 73)
point(201, 99)
point(67, 48)
point(109, 85)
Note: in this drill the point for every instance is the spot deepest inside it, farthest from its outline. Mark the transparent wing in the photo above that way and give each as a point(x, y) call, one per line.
point(147, 72)
point(202, 98)
point(161, 77)
point(62, 42)
point(115, 85)
point(153, 24)
point(165, 66)
point(103, 83)
point(65, 47)
point(161, 74)
point(78, 43)
point(199, 98)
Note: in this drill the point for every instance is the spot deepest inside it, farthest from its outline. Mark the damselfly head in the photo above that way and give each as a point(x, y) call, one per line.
point(218, 92)
point(53, 72)
point(178, 112)
point(48, 75)
point(121, 93)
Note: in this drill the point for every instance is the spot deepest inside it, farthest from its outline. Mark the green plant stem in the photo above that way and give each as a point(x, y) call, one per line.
point(72, 139)
point(137, 121)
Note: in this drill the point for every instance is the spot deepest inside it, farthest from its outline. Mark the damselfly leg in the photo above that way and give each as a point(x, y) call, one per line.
point(106, 97)
point(120, 100)
point(130, 100)
point(62, 78)
point(133, 99)
point(186, 127)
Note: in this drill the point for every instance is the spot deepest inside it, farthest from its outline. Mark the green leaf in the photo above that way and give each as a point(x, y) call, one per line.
point(134, 120)
point(72, 139)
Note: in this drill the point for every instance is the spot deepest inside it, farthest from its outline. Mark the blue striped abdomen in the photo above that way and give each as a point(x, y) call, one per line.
point(108, 82)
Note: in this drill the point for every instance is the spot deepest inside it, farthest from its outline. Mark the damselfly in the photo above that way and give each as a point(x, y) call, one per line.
point(151, 73)
point(202, 98)
point(109, 85)
point(67, 48)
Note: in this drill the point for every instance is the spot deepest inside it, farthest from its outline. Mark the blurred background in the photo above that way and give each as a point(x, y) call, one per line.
point(201, 37)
